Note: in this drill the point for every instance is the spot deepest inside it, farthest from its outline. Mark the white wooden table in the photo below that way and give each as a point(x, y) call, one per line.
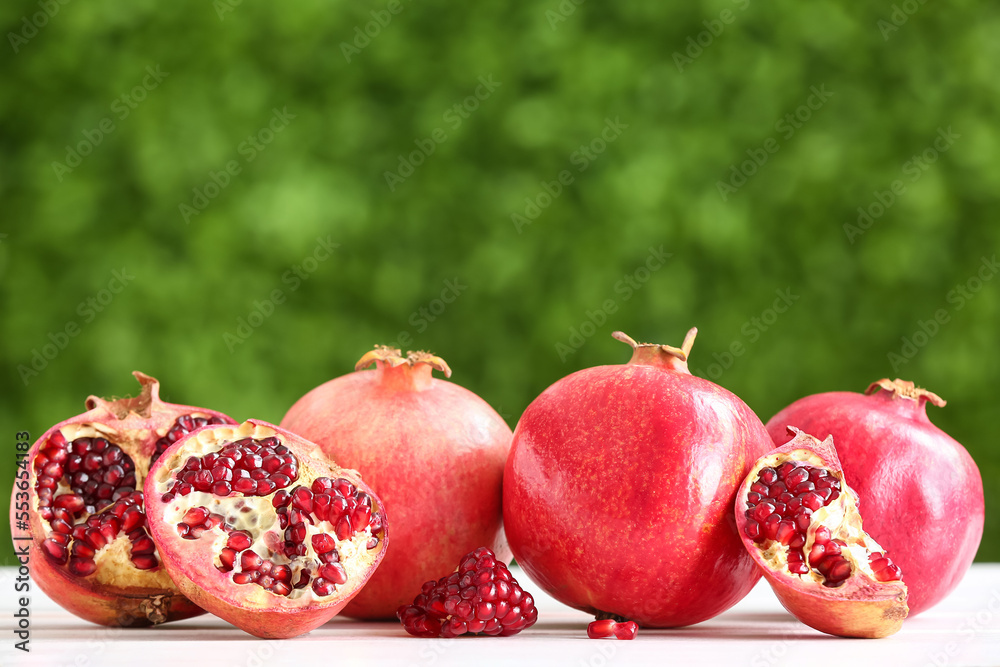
point(962, 630)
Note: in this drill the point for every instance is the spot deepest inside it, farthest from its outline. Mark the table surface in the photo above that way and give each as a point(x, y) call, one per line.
point(964, 629)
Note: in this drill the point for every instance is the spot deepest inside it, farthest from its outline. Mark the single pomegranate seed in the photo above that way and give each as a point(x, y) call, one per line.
point(144, 561)
point(55, 550)
point(239, 540)
point(601, 629)
point(323, 543)
point(453, 605)
point(334, 573)
point(82, 567)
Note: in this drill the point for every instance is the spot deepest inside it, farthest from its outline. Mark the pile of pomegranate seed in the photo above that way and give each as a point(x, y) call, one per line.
point(481, 597)
point(608, 627)
point(780, 507)
point(250, 467)
point(183, 426)
point(264, 467)
point(97, 472)
point(76, 545)
point(101, 480)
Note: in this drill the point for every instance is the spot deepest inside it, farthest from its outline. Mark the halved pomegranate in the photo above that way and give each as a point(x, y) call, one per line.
point(799, 520)
point(258, 527)
point(90, 550)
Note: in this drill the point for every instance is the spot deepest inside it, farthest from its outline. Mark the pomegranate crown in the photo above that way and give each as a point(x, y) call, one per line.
point(663, 356)
point(141, 404)
point(905, 389)
point(394, 357)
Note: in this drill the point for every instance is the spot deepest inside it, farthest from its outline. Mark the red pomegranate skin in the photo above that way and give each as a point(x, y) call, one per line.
point(434, 453)
point(920, 492)
point(619, 490)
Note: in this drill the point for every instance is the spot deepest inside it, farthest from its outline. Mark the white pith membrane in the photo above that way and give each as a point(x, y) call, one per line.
point(841, 517)
point(114, 567)
point(257, 516)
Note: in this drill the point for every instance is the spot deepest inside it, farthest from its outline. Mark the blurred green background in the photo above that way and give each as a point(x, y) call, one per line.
point(116, 116)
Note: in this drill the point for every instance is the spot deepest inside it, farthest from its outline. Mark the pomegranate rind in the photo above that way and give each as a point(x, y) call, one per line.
point(130, 597)
point(888, 430)
point(618, 503)
point(191, 564)
point(433, 450)
point(861, 606)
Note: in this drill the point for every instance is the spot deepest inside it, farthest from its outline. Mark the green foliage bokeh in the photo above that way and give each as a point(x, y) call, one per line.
point(530, 300)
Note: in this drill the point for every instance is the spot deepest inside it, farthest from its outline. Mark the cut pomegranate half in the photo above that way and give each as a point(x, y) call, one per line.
point(800, 521)
point(90, 549)
point(257, 527)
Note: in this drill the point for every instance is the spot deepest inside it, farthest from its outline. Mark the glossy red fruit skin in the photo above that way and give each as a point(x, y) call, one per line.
point(862, 606)
point(189, 562)
point(104, 604)
point(907, 473)
point(619, 489)
point(432, 450)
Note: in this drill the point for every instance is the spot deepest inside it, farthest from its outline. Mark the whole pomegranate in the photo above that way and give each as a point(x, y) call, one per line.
point(907, 473)
point(90, 548)
point(258, 527)
point(432, 450)
point(801, 524)
point(619, 489)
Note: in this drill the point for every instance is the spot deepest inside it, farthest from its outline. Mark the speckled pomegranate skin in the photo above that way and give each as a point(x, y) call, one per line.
point(920, 492)
point(620, 486)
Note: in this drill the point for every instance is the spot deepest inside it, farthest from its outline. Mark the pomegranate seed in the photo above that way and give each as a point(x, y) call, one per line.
point(222, 488)
point(322, 485)
point(762, 511)
point(82, 567)
point(334, 572)
point(321, 586)
point(329, 557)
point(55, 550)
point(302, 498)
point(239, 540)
point(245, 577)
point(343, 529)
point(143, 545)
point(144, 561)
point(839, 571)
point(798, 568)
point(776, 489)
point(132, 518)
point(69, 501)
point(250, 560)
point(627, 630)
point(227, 557)
point(281, 499)
point(322, 543)
point(785, 468)
point(796, 477)
point(785, 532)
point(96, 538)
point(195, 516)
